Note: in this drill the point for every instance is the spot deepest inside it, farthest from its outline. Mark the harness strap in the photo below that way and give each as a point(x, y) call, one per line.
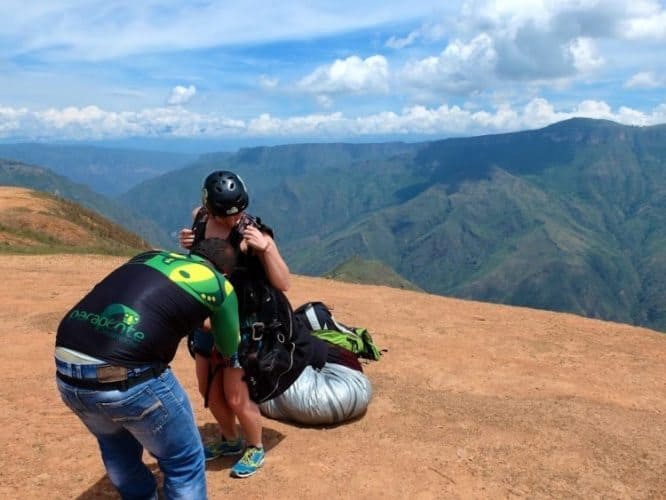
point(211, 375)
point(216, 362)
point(199, 225)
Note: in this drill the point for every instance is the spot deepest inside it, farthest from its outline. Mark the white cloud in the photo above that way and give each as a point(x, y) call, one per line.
point(585, 55)
point(460, 69)
point(649, 22)
point(100, 30)
point(13, 120)
point(540, 112)
point(316, 124)
point(522, 47)
point(400, 43)
point(532, 40)
point(351, 75)
point(181, 95)
point(92, 122)
point(429, 32)
point(556, 19)
point(491, 51)
point(645, 80)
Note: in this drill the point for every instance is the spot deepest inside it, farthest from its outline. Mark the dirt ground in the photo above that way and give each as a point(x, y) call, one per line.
point(471, 400)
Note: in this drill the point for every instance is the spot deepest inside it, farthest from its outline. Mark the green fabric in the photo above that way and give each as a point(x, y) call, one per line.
point(357, 340)
point(203, 282)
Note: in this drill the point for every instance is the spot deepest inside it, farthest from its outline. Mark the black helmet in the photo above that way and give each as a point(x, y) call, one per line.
point(224, 193)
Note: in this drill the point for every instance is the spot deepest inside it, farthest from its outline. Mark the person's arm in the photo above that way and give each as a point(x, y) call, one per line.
point(266, 249)
point(225, 325)
point(186, 235)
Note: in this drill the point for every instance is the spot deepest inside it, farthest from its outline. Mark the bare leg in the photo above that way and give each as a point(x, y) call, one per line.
point(216, 402)
point(238, 398)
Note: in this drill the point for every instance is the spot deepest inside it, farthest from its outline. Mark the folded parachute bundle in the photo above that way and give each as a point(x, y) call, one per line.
point(331, 395)
point(337, 392)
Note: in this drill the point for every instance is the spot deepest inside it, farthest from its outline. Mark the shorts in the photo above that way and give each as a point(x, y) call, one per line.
point(201, 342)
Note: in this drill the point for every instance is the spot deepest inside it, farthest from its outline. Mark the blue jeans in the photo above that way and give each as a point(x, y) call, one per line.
point(155, 415)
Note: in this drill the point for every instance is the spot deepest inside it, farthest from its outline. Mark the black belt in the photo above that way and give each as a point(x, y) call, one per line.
point(120, 385)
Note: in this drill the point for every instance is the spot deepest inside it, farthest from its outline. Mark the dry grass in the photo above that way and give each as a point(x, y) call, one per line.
point(34, 222)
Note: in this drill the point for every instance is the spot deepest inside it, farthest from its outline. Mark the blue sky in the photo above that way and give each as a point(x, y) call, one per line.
point(325, 70)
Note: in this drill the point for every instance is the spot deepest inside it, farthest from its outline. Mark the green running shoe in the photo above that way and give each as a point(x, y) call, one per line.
point(252, 459)
point(223, 448)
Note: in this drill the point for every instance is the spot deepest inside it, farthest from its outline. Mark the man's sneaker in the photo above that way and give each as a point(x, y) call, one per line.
point(252, 459)
point(223, 448)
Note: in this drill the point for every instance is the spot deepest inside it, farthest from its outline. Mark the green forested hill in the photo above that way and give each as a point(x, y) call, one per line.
point(296, 187)
point(571, 217)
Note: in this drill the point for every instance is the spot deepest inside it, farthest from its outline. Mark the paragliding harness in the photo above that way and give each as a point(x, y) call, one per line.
point(255, 301)
point(318, 317)
point(268, 351)
point(273, 350)
point(199, 230)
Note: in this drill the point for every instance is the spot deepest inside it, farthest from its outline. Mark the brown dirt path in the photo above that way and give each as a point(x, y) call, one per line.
point(472, 400)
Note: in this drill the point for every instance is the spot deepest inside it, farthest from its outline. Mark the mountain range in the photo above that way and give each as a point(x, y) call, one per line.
point(109, 171)
point(571, 217)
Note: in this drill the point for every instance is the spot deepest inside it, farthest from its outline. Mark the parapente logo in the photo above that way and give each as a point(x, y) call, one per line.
point(117, 320)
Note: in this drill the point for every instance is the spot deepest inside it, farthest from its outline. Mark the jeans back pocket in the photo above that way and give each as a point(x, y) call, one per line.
point(139, 412)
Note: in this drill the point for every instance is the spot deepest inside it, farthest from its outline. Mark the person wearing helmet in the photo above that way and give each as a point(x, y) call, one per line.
point(222, 215)
point(224, 193)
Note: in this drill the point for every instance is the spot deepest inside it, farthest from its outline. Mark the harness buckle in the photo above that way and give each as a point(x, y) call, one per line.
point(258, 330)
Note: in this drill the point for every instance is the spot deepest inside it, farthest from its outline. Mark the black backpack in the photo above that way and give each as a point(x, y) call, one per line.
point(317, 317)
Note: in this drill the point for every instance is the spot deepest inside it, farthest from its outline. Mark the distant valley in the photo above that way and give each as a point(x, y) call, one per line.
point(109, 171)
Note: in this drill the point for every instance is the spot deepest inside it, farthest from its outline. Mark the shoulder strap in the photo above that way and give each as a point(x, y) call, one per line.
point(264, 228)
point(199, 225)
point(235, 236)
